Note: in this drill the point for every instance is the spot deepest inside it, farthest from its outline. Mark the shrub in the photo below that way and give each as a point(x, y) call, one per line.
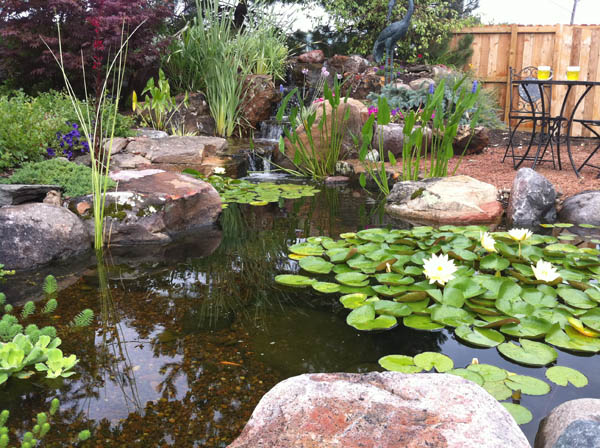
point(76, 180)
point(29, 125)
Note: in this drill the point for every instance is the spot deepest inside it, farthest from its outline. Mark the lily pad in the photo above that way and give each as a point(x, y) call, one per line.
point(307, 249)
point(592, 319)
point(296, 281)
point(479, 337)
point(521, 414)
point(493, 262)
point(391, 308)
point(353, 279)
point(399, 363)
point(565, 375)
point(489, 372)
point(316, 265)
point(452, 316)
point(527, 385)
point(363, 318)
point(529, 327)
point(569, 339)
point(353, 301)
point(468, 375)
point(421, 323)
point(497, 389)
point(530, 353)
point(326, 287)
point(576, 298)
point(429, 360)
point(393, 279)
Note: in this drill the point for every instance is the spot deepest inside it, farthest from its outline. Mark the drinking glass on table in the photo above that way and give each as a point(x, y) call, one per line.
point(543, 72)
point(573, 73)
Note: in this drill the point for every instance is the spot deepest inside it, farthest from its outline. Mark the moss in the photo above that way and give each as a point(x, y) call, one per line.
point(113, 211)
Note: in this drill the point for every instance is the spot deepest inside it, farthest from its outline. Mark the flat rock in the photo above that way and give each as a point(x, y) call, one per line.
point(313, 57)
point(34, 234)
point(151, 133)
point(14, 194)
point(154, 207)
point(532, 201)
point(457, 200)
point(573, 424)
point(379, 410)
point(582, 208)
point(421, 83)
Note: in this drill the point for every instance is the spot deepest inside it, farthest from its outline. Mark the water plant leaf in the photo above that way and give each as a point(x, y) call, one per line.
point(430, 360)
point(497, 389)
point(297, 281)
point(452, 316)
point(569, 339)
point(307, 249)
point(326, 287)
point(382, 322)
point(527, 385)
point(564, 375)
point(489, 372)
point(493, 262)
point(391, 308)
point(479, 337)
point(363, 318)
point(393, 279)
point(592, 319)
point(341, 254)
point(576, 298)
point(521, 414)
point(399, 363)
point(353, 279)
point(530, 353)
point(515, 307)
point(468, 375)
point(421, 323)
point(529, 327)
point(316, 265)
point(353, 301)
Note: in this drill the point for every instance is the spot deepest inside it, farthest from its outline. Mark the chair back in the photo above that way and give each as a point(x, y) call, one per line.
point(528, 99)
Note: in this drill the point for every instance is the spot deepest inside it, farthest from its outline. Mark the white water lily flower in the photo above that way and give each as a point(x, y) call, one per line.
point(520, 234)
point(544, 271)
point(219, 170)
point(488, 242)
point(439, 269)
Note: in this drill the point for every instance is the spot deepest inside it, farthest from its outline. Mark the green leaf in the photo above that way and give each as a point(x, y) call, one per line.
point(530, 353)
point(570, 339)
point(363, 318)
point(564, 375)
point(353, 301)
point(297, 281)
point(592, 319)
point(306, 249)
point(353, 279)
point(393, 279)
point(527, 385)
point(489, 372)
point(387, 307)
point(497, 389)
point(316, 265)
point(326, 287)
point(521, 414)
point(493, 262)
point(530, 327)
point(429, 360)
point(452, 316)
point(468, 375)
point(576, 298)
point(399, 363)
point(421, 323)
point(480, 337)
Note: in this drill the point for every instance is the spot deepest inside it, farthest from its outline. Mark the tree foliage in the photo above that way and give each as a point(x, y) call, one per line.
point(88, 27)
point(432, 22)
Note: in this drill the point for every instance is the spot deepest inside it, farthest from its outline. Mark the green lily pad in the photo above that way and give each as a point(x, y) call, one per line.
point(570, 339)
point(530, 353)
point(341, 254)
point(530, 327)
point(399, 363)
point(497, 389)
point(363, 318)
point(390, 308)
point(468, 375)
point(316, 265)
point(521, 414)
point(421, 323)
point(389, 291)
point(326, 287)
point(453, 296)
point(452, 316)
point(515, 307)
point(488, 372)
point(429, 360)
point(565, 375)
point(393, 279)
point(296, 281)
point(353, 279)
point(479, 337)
point(576, 298)
point(493, 262)
point(353, 301)
point(342, 268)
point(527, 385)
point(592, 319)
point(307, 249)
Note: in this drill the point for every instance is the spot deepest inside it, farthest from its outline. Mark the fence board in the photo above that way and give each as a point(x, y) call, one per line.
point(498, 47)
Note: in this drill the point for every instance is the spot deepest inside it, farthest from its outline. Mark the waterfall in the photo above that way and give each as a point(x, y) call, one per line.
point(270, 130)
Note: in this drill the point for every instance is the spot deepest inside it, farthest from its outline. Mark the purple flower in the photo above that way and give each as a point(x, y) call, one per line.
point(373, 110)
point(395, 112)
point(399, 73)
point(431, 88)
point(51, 152)
point(280, 88)
point(305, 71)
point(474, 89)
point(75, 126)
point(68, 153)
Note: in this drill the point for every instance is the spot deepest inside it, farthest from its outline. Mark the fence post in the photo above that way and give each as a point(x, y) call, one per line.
point(512, 62)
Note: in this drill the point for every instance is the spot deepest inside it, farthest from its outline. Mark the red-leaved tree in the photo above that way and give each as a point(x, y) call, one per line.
point(88, 27)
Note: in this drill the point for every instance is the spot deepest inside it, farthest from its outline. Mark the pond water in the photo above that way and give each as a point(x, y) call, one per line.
point(188, 338)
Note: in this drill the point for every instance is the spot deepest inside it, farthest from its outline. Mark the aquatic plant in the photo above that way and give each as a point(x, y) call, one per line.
point(50, 285)
point(382, 277)
point(83, 319)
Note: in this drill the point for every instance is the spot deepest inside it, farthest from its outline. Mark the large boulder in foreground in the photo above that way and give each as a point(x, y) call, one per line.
point(532, 201)
point(16, 194)
point(573, 424)
point(457, 200)
point(154, 206)
point(34, 234)
point(379, 410)
point(582, 208)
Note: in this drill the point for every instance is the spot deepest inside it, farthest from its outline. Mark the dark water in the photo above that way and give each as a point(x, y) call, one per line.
point(188, 338)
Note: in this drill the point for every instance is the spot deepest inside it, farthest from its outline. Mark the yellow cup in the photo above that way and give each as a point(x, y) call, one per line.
point(543, 72)
point(573, 73)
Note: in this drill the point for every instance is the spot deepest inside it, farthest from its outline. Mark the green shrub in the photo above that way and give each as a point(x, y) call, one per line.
point(28, 125)
point(76, 180)
point(407, 99)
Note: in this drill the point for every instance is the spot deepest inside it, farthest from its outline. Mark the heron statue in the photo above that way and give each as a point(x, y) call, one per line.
point(391, 34)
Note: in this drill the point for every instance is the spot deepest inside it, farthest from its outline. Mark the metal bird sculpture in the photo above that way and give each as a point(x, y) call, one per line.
point(391, 34)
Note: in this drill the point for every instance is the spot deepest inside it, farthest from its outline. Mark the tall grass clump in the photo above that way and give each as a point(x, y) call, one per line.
point(211, 55)
point(98, 122)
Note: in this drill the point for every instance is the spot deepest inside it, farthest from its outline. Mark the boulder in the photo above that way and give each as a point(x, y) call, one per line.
point(353, 126)
point(359, 86)
point(582, 208)
point(458, 200)
point(150, 133)
point(14, 194)
point(532, 201)
point(477, 140)
point(421, 83)
point(575, 423)
point(195, 116)
point(312, 57)
point(379, 410)
point(393, 138)
point(348, 64)
point(153, 206)
point(440, 71)
point(34, 234)
point(260, 98)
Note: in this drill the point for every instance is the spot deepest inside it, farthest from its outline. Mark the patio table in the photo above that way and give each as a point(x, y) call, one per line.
point(555, 130)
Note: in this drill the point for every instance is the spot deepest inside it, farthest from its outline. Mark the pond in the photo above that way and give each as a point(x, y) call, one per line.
point(189, 337)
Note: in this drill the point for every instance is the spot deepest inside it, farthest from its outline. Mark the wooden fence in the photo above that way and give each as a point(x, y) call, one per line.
point(496, 48)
